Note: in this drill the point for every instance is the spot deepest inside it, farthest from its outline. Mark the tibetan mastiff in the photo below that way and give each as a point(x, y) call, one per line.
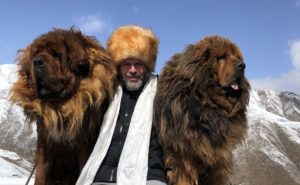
point(65, 83)
point(200, 111)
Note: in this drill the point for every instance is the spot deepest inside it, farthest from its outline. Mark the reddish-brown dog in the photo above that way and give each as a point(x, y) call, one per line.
point(66, 81)
point(200, 111)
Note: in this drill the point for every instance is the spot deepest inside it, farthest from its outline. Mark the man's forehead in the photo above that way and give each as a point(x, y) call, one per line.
point(132, 61)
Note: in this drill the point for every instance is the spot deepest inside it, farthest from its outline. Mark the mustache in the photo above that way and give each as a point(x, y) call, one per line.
point(130, 74)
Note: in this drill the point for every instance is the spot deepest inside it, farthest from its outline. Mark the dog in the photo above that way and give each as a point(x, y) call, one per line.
point(65, 83)
point(200, 111)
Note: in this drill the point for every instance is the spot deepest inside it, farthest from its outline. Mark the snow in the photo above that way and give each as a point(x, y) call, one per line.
point(257, 108)
point(8, 75)
point(12, 169)
point(295, 109)
point(12, 165)
point(15, 181)
point(272, 143)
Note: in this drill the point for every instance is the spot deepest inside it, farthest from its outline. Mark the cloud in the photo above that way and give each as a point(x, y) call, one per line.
point(287, 81)
point(136, 9)
point(92, 24)
point(295, 54)
point(298, 3)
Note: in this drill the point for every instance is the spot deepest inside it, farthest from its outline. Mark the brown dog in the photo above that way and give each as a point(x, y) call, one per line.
point(200, 111)
point(66, 81)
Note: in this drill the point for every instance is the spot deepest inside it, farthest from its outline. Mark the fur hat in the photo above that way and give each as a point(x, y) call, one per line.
point(133, 42)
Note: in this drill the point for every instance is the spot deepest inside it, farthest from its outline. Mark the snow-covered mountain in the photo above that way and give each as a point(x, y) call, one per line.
point(17, 139)
point(14, 170)
point(15, 135)
point(12, 165)
point(270, 154)
point(284, 104)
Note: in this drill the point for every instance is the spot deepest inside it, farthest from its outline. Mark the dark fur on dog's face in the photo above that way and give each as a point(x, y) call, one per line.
point(56, 63)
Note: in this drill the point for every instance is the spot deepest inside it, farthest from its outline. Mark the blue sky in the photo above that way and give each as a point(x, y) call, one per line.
point(267, 31)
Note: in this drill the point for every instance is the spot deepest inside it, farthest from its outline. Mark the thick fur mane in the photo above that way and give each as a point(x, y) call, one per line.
point(91, 90)
point(199, 121)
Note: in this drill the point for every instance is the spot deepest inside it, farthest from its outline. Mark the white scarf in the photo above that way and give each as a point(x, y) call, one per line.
point(133, 164)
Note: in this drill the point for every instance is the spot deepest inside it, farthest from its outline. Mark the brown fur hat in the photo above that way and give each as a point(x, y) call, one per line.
point(133, 42)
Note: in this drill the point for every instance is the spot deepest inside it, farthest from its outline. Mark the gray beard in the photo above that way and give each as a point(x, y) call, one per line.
point(135, 86)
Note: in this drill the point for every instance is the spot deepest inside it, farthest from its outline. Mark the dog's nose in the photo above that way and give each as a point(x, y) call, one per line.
point(38, 62)
point(240, 66)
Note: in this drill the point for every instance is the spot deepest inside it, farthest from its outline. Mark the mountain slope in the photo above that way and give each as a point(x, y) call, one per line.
point(15, 135)
point(271, 152)
point(12, 165)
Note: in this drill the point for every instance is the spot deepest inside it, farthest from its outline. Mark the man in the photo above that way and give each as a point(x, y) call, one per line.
point(127, 151)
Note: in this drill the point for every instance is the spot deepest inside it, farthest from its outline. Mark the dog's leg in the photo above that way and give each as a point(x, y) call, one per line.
point(40, 176)
point(181, 171)
point(174, 178)
point(218, 174)
point(174, 172)
point(82, 157)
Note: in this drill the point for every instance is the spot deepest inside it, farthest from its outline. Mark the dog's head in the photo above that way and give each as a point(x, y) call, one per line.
point(61, 73)
point(229, 65)
point(215, 63)
point(56, 62)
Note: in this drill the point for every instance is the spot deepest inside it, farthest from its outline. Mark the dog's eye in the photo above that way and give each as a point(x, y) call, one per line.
point(57, 56)
point(221, 58)
point(81, 69)
point(193, 62)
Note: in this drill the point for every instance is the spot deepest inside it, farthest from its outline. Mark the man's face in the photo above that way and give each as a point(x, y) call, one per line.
point(133, 74)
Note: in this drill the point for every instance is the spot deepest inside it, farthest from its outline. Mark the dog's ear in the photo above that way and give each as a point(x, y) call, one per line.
point(81, 68)
point(196, 56)
point(205, 54)
point(24, 65)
